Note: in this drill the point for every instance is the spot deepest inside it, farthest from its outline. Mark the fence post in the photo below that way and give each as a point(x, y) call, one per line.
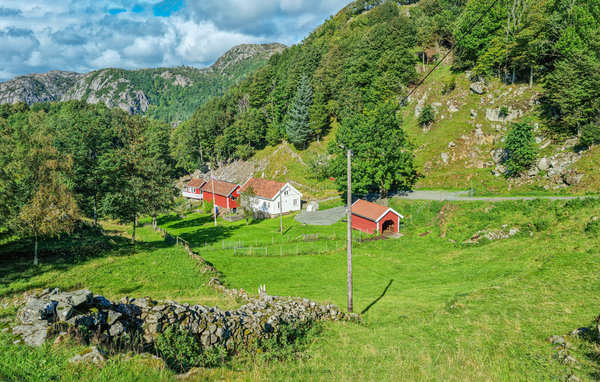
point(266, 250)
point(256, 241)
point(177, 240)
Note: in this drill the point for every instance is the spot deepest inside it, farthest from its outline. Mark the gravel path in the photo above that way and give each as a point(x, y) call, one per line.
point(325, 217)
point(463, 196)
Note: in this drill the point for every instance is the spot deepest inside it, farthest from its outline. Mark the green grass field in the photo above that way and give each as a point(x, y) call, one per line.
point(434, 307)
point(438, 310)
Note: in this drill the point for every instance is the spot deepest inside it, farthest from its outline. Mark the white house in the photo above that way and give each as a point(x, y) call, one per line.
point(193, 189)
point(272, 197)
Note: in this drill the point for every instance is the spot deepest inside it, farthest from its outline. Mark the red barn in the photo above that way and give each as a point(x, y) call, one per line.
point(370, 218)
point(226, 194)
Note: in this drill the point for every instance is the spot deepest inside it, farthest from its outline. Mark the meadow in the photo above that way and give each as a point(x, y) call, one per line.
point(443, 302)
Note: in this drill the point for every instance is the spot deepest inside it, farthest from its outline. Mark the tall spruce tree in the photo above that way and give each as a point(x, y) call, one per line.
point(298, 127)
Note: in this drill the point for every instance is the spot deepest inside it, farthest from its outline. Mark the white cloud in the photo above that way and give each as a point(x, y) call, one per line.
point(81, 35)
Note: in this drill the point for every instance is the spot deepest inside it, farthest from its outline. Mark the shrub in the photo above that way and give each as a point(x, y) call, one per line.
point(593, 226)
point(449, 84)
point(590, 134)
point(181, 351)
point(541, 224)
point(178, 349)
point(503, 112)
point(427, 116)
point(520, 147)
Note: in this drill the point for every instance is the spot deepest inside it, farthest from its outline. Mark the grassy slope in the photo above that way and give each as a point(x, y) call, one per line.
point(452, 311)
point(151, 268)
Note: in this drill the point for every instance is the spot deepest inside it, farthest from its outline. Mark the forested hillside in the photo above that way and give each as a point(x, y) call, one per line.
point(355, 70)
point(167, 94)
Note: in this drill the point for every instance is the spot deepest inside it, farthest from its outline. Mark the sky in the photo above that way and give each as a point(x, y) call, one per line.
point(84, 35)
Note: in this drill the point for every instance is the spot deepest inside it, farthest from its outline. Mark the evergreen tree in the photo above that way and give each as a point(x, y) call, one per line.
point(298, 127)
point(520, 146)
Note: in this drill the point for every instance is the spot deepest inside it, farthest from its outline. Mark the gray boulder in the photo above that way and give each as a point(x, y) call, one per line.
point(78, 299)
point(34, 334)
point(36, 310)
point(90, 355)
point(478, 87)
point(64, 311)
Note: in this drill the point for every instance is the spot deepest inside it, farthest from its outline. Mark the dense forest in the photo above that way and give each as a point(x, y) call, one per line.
point(367, 56)
point(62, 161)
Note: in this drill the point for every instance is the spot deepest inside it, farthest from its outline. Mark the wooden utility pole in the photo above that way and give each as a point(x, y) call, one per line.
point(349, 231)
point(212, 180)
point(280, 213)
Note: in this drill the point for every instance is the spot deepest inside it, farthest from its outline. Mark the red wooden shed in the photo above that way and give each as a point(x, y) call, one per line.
point(370, 218)
point(226, 194)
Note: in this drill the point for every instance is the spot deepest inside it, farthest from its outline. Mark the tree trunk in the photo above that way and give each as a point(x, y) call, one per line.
point(133, 233)
point(154, 221)
point(423, 60)
point(530, 77)
point(514, 76)
point(95, 211)
point(35, 252)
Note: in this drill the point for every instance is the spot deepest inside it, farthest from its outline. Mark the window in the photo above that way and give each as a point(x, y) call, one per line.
point(295, 202)
point(278, 204)
point(285, 192)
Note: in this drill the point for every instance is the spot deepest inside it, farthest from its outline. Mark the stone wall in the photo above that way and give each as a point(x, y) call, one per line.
point(53, 311)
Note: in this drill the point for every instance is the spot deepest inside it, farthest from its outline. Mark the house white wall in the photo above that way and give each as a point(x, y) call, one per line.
point(290, 198)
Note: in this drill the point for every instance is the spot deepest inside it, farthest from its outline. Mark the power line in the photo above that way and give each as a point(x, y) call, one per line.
point(450, 51)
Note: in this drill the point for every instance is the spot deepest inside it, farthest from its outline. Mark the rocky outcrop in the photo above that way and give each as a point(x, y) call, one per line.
point(108, 321)
point(243, 52)
point(35, 88)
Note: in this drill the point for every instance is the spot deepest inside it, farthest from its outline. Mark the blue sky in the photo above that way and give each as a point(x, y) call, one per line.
point(83, 35)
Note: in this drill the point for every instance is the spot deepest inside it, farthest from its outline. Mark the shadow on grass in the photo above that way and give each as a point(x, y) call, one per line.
point(162, 220)
point(199, 221)
point(17, 266)
point(208, 235)
point(365, 310)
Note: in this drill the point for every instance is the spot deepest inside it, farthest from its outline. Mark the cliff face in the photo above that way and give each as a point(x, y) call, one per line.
point(166, 93)
point(34, 88)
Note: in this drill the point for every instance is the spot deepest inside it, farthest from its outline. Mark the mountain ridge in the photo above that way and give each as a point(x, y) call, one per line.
point(159, 92)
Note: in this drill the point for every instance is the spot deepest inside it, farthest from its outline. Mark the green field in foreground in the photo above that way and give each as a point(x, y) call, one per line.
point(438, 309)
point(434, 307)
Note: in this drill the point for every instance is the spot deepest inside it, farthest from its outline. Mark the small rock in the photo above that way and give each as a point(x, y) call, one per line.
point(569, 360)
point(90, 355)
point(64, 311)
point(473, 114)
point(573, 378)
point(445, 157)
point(557, 340)
point(478, 87)
point(580, 332)
point(451, 145)
point(573, 180)
point(543, 164)
point(116, 329)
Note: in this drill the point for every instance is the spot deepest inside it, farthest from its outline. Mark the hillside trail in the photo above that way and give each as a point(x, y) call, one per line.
point(464, 196)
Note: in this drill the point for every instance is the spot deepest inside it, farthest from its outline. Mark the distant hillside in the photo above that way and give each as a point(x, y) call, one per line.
point(168, 94)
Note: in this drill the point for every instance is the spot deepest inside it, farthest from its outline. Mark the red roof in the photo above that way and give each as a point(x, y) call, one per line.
point(221, 187)
point(371, 211)
point(263, 187)
point(196, 183)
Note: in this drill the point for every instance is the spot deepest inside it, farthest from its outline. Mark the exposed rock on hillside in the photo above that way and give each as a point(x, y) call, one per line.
point(34, 88)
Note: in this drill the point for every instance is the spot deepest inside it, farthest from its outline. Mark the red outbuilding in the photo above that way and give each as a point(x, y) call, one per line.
point(226, 194)
point(370, 218)
point(193, 189)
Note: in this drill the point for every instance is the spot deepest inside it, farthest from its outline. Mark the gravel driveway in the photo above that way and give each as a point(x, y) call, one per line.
point(325, 217)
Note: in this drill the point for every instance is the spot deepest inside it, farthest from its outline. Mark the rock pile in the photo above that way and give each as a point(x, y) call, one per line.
point(53, 311)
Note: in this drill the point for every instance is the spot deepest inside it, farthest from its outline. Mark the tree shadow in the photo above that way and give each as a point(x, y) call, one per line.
point(365, 310)
point(165, 219)
point(208, 235)
point(17, 266)
point(199, 221)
